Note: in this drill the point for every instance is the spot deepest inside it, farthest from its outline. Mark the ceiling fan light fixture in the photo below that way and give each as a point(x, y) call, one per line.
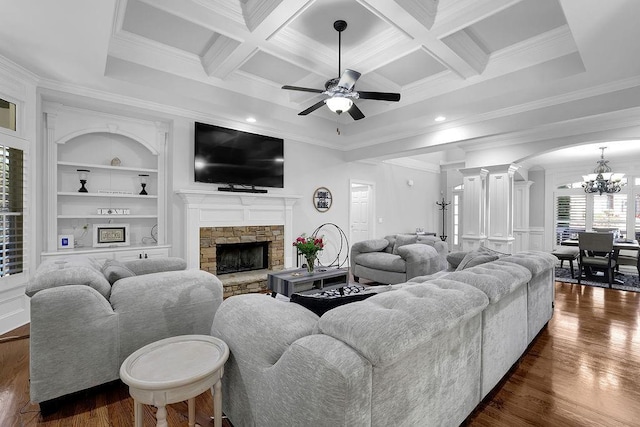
point(339, 104)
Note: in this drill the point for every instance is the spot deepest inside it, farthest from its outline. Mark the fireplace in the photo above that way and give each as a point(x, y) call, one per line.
point(265, 242)
point(238, 257)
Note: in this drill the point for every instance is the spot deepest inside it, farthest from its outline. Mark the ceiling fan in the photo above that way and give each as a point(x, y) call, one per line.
point(341, 90)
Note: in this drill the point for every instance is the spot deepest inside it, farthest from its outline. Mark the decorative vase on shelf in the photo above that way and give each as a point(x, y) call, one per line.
point(311, 263)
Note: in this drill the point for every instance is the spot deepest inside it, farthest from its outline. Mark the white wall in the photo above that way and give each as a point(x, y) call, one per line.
point(402, 208)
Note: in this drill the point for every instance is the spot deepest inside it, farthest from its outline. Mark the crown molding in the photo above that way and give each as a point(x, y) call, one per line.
point(556, 131)
point(299, 45)
point(467, 48)
point(218, 52)
point(126, 44)
point(424, 11)
point(15, 77)
point(256, 11)
point(413, 164)
point(229, 9)
point(460, 14)
point(160, 110)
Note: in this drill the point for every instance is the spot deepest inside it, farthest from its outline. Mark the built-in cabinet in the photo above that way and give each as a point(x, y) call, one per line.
point(114, 156)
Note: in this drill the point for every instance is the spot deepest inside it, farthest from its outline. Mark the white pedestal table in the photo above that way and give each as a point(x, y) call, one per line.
point(173, 370)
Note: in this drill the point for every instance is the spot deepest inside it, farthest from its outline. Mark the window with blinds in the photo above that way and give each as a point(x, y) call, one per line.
point(571, 215)
point(11, 210)
point(610, 211)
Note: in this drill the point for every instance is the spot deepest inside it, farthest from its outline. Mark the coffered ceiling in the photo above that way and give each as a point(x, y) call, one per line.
point(498, 70)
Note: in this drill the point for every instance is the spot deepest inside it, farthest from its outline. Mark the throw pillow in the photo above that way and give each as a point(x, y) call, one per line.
point(114, 270)
point(402, 240)
point(474, 258)
point(320, 305)
point(455, 258)
point(488, 251)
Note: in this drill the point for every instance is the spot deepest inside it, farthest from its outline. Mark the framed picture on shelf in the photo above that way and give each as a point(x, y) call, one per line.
point(105, 235)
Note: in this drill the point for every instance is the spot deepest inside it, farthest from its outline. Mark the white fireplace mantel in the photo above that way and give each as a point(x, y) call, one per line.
point(229, 209)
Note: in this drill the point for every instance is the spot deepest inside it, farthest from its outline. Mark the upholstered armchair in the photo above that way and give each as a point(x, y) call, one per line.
point(87, 317)
point(397, 258)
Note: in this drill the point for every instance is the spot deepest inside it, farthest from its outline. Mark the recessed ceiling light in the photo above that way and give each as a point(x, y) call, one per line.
point(251, 119)
point(440, 119)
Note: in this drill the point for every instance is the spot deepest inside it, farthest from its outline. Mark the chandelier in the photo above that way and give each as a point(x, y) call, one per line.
point(602, 180)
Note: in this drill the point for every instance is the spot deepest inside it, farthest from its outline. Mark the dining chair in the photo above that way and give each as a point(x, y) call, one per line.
point(628, 257)
point(596, 253)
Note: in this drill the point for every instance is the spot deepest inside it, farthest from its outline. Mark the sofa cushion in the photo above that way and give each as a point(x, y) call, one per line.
point(115, 270)
point(382, 261)
point(535, 261)
point(455, 258)
point(496, 279)
point(71, 270)
point(473, 258)
point(156, 265)
point(417, 312)
point(402, 240)
point(373, 245)
point(492, 252)
point(320, 305)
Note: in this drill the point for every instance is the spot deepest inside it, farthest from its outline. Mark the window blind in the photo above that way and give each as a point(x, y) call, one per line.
point(571, 214)
point(11, 210)
point(610, 211)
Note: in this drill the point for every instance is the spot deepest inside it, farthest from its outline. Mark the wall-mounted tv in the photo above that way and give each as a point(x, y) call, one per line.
point(228, 156)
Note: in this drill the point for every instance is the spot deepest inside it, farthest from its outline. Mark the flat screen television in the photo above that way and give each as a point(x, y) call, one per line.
point(228, 156)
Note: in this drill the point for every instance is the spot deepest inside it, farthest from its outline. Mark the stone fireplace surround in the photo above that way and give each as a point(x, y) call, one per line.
point(213, 209)
point(212, 236)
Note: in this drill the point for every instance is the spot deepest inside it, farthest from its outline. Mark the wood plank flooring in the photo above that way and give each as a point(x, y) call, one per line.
point(582, 370)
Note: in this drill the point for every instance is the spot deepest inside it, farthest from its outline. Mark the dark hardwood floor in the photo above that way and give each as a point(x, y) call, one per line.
point(582, 370)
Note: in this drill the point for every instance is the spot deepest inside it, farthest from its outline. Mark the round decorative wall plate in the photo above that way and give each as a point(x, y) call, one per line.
point(322, 199)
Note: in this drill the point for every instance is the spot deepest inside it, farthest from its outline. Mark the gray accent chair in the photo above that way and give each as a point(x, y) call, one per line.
point(397, 258)
point(83, 327)
point(419, 353)
point(596, 253)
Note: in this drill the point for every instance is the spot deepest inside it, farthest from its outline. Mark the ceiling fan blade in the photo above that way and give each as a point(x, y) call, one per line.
point(311, 109)
point(379, 96)
point(303, 89)
point(348, 79)
point(355, 112)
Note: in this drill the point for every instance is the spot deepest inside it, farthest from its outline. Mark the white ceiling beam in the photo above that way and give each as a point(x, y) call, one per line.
point(457, 15)
point(396, 15)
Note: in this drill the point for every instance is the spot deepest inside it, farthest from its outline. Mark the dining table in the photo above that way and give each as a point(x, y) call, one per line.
point(618, 245)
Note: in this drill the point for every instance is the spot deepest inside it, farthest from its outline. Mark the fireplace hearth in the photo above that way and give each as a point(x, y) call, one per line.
point(238, 257)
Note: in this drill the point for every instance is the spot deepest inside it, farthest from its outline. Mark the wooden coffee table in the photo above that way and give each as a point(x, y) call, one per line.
point(287, 282)
point(173, 370)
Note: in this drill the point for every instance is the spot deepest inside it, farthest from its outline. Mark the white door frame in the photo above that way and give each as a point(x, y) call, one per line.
point(372, 207)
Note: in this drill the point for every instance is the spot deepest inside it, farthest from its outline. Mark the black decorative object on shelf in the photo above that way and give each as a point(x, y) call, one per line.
point(143, 183)
point(443, 206)
point(83, 173)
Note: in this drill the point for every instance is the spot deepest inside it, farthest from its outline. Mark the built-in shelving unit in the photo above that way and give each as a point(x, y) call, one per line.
point(118, 152)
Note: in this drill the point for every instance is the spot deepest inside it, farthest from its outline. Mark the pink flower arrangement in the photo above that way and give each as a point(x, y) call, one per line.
point(309, 246)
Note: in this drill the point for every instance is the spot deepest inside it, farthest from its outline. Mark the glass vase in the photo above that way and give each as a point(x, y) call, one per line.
point(311, 263)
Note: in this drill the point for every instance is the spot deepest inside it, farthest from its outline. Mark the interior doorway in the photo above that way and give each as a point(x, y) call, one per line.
point(361, 211)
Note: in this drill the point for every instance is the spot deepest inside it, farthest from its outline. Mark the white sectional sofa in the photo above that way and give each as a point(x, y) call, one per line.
point(421, 353)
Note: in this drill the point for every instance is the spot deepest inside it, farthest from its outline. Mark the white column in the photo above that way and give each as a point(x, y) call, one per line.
point(500, 207)
point(521, 202)
point(474, 208)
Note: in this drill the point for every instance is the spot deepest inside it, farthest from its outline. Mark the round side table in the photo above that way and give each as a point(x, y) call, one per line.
point(173, 370)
